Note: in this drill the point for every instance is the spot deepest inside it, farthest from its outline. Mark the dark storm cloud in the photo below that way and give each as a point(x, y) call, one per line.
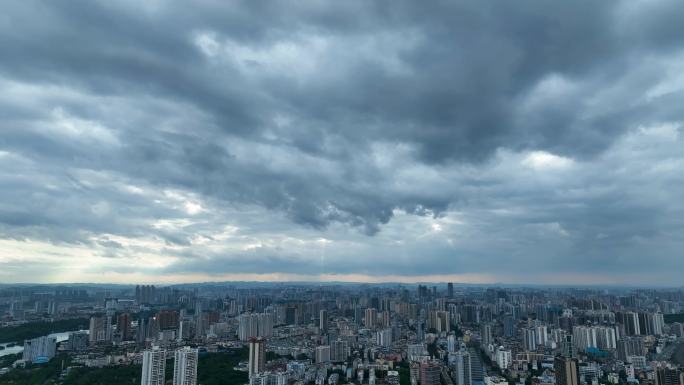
point(129, 118)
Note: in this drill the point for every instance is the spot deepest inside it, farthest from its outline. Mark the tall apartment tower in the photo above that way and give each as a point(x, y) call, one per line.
point(371, 318)
point(123, 326)
point(100, 330)
point(429, 373)
point(154, 367)
point(257, 356)
point(323, 321)
point(668, 376)
point(185, 366)
point(568, 347)
point(462, 368)
point(567, 371)
point(40, 349)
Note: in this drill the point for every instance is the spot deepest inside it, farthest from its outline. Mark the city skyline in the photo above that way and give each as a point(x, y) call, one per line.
point(298, 334)
point(529, 143)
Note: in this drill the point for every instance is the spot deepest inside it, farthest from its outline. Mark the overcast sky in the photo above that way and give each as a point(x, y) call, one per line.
point(471, 141)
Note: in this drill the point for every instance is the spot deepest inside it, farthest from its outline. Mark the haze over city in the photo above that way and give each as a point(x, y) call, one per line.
point(527, 142)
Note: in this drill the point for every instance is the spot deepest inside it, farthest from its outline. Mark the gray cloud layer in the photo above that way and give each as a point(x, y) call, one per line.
point(504, 135)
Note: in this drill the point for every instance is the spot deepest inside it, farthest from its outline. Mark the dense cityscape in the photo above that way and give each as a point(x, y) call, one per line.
point(306, 334)
point(350, 192)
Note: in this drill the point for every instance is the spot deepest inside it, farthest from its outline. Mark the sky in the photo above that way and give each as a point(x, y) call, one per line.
point(361, 141)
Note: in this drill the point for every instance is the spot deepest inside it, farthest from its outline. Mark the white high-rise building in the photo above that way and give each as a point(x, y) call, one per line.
point(185, 366)
point(542, 334)
point(339, 350)
point(265, 324)
point(40, 349)
point(323, 353)
point(503, 358)
point(257, 357)
point(451, 343)
point(529, 339)
point(384, 337)
point(658, 323)
point(461, 368)
point(607, 338)
point(602, 337)
point(584, 337)
point(100, 329)
point(154, 367)
point(259, 325)
point(416, 351)
point(486, 334)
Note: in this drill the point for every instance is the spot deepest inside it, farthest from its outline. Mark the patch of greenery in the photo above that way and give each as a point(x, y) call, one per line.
point(36, 329)
point(109, 375)
point(46, 374)
point(217, 368)
point(9, 359)
point(670, 318)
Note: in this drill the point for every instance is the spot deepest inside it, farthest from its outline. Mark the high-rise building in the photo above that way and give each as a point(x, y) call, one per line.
point(415, 352)
point(504, 358)
point(439, 320)
point(630, 322)
point(322, 354)
point(386, 319)
point(429, 373)
point(123, 326)
point(567, 371)
point(168, 319)
point(668, 376)
point(185, 366)
point(358, 315)
point(145, 293)
point(470, 313)
point(607, 338)
point(451, 343)
point(371, 318)
point(630, 346)
point(78, 341)
point(450, 290)
point(323, 321)
point(100, 330)
point(542, 334)
point(384, 337)
point(486, 334)
point(257, 356)
point(185, 330)
point(248, 326)
point(414, 374)
point(259, 325)
point(339, 350)
point(477, 372)
point(584, 337)
point(40, 349)
point(529, 339)
point(461, 368)
point(568, 347)
point(153, 367)
point(509, 326)
point(659, 323)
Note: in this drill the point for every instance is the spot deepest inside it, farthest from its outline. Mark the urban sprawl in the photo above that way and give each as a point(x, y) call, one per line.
point(305, 334)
